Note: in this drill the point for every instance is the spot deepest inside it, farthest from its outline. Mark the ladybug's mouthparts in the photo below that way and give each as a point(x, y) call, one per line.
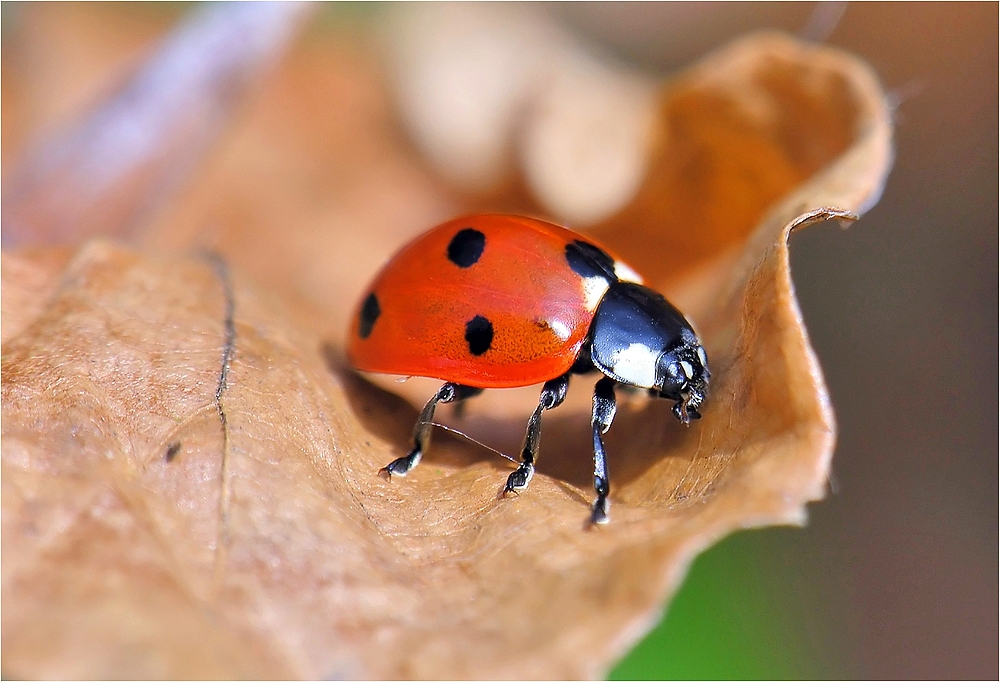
point(686, 408)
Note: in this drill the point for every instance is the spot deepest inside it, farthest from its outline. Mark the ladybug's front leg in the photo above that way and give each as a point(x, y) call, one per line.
point(603, 415)
point(422, 431)
point(553, 394)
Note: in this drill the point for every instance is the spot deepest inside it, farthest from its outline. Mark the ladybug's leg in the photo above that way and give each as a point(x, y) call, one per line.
point(422, 431)
point(604, 414)
point(553, 394)
point(464, 393)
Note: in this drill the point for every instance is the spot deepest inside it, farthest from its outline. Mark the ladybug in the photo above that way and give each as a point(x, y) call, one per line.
point(499, 301)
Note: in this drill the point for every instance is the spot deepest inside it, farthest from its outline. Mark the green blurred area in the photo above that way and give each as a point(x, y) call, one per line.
point(740, 615)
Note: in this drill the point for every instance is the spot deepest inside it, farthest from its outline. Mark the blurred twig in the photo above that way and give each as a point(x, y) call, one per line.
point(107, 171)
point(823, 21)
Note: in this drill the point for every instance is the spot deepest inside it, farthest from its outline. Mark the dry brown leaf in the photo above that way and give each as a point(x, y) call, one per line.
point(176, 506)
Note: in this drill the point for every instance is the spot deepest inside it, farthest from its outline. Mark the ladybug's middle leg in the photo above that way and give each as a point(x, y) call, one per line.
point(422, 430)
point(553, 394)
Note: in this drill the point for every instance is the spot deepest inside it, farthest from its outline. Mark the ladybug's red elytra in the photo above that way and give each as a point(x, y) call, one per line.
point(499, 301)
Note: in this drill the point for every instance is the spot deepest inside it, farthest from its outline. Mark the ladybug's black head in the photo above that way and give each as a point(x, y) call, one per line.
point(682, 375)
point(638, 338)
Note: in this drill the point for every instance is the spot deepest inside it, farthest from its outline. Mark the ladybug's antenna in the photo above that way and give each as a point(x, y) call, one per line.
point(473, 440)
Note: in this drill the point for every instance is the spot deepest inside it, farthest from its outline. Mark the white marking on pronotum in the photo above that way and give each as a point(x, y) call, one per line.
point(702, 357)
point(593, 291)
point(626, 273)
point(636, 365)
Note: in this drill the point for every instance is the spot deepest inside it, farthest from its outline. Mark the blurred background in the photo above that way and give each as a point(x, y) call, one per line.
point(896, 574)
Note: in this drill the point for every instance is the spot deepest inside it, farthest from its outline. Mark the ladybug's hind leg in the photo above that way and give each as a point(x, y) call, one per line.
point(553, 394)
point(603, 415)
point(422, 430)
point(464, 393)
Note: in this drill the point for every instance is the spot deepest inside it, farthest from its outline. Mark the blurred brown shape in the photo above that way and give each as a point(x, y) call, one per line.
point(737, 134)
point(174, 506)
point(128, 156)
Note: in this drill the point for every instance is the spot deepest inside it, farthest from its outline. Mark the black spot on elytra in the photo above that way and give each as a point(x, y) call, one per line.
point(479, 334)
point(369, 314)
point(172, 450)
point(466, 247)
point(587, 260)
